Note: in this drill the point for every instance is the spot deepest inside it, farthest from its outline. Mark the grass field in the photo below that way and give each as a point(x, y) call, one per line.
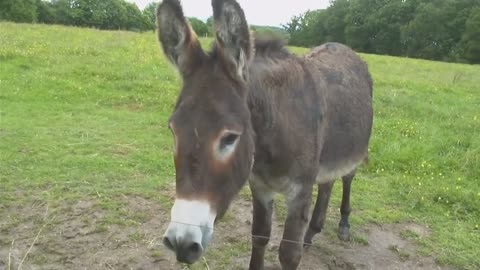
point(83, 119)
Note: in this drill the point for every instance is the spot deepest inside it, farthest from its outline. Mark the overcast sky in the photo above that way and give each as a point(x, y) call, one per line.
point(258, 12)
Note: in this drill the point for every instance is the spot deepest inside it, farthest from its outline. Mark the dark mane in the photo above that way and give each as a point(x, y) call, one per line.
point(266, 46)
point(270, 46)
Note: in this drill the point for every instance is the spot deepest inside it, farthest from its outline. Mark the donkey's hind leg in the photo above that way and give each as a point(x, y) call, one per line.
point(344, 226)
point(319, 212)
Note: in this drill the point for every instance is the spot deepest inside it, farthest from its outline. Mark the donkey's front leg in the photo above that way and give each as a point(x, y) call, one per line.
point(291, 247)
point(261, 225)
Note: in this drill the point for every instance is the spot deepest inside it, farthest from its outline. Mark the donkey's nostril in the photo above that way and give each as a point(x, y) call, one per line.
point(194, 248)
point(189, 252)
point(168, 243)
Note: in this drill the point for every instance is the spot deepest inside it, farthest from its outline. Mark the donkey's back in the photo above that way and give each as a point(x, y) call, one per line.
point(310, 114)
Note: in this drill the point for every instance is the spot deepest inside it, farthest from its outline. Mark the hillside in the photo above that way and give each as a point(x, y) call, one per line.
point(86, 170)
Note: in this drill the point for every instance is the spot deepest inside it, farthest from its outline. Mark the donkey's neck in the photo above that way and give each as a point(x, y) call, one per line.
point(272, 82)
point(280, 93)
point(286, 102)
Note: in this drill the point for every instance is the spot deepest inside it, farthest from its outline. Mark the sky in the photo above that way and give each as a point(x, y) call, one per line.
point(258, 12)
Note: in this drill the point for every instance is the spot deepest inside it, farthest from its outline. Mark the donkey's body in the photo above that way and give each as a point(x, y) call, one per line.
point(309, 114)
point(312, 118)
point(257, 112)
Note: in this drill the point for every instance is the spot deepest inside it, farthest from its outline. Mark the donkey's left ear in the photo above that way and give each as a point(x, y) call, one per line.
point(232, 36)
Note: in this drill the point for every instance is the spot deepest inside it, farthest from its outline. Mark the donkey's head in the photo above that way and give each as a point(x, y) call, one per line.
point(211, 126)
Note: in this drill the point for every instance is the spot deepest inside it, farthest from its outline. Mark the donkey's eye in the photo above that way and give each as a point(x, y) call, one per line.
point(228, 140)
point(225, 147)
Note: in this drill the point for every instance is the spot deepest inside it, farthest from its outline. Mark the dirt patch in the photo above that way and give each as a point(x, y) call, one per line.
point(380, 247)
point(82, 236)
point(79, 236)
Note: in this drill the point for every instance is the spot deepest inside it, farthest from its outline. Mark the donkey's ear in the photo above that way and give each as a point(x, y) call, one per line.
point(232, 36)
point(179, 42)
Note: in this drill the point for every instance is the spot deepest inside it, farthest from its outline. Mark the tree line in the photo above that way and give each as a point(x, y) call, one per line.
point(446, 30)
point(101, 14)
point(104, 14)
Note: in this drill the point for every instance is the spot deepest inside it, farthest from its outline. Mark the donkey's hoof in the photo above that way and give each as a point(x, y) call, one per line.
point(307, 243)
point(344, 233)
point(307, 239)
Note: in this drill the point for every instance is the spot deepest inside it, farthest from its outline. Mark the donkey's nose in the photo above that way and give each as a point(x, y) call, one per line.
point(186, 249)
point(190, 230)
point(189, 252)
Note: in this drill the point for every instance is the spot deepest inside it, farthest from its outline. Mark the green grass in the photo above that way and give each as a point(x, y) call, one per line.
point(83, 113)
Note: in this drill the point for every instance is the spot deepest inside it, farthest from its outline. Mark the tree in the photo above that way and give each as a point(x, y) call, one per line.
point(458, 12)
point(426, 36)
point(117, 15)
point(307, 29)
point(361, 26)
point(209, 24)
point(198, 26)
point(471, 37)
point(150, 12)
point(88, 13)
point(387, 24)
point(46, 12)
point(335, 21)
point(62, 10)
point(293, 26)
point(18, 10)
point(135, 19)
point(431, 29)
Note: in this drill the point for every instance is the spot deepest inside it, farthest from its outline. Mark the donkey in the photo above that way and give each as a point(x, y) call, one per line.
point(253, 111)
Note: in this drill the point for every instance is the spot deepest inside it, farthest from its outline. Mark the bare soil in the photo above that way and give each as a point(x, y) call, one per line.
point(77, 236)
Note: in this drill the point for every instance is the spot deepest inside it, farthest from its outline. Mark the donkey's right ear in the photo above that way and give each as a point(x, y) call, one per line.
point(179, 42)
